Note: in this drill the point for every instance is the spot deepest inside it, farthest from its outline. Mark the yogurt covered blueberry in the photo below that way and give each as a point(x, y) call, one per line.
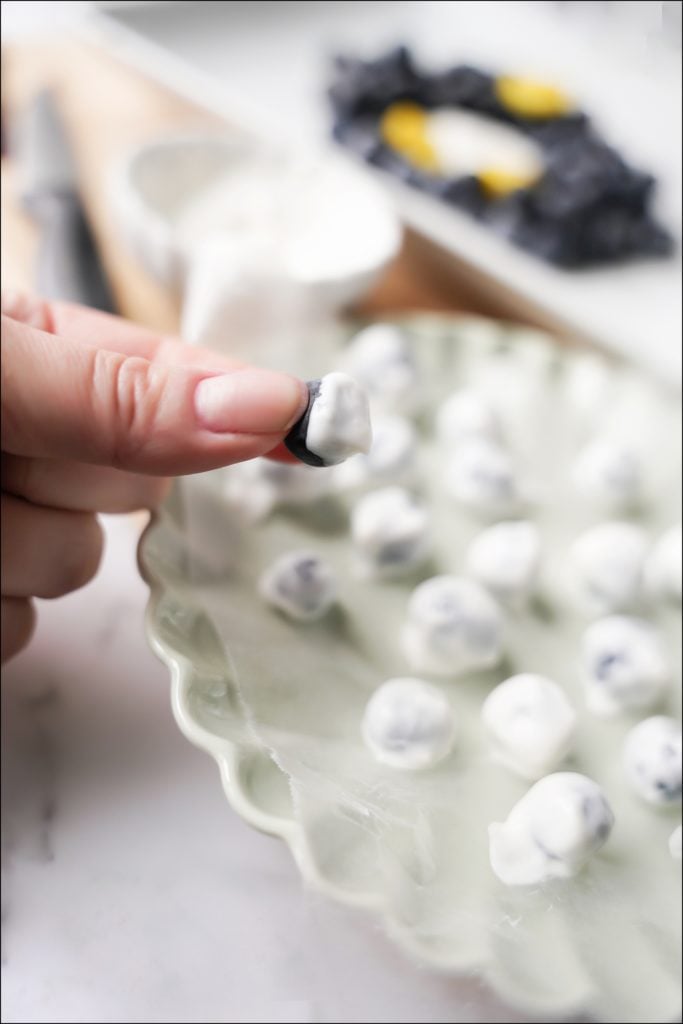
point(608, 472)
point(466, 414)
point(380, 358)
point(652, 760)
point(623, 665)
point(557, 826)
point(505, 559)
point(454, 626)
point(530, 723)
point(608, 562)
point(336, 424)
point(664, 569)
point(300, 585)
point(481, 476)
point(409, 724)
point(390, 532)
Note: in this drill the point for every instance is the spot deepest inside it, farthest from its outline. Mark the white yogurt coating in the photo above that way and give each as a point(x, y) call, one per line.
point(390, 530)
point(339, 420)
point(466, 414)
point(380, 358)
point(530, 723)
point(676, 843)
point(481, 476)
point(623, 665)
point(300, 585)
point(505, 559)
point(589, 383)
point(608, 472)
point(652, 760)
point(557, 826)
point(409, 724)
point(392, 456)
point(454, 626)
point(253, 489)
point(664, 569)
point(607, 563)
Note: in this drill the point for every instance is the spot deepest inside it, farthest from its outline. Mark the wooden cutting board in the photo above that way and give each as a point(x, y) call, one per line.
point(107, 107)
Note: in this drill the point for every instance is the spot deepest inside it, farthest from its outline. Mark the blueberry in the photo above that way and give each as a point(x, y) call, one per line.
point(295, 442)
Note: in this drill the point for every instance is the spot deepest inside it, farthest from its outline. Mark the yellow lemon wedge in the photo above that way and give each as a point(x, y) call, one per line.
point(403, 126)
point(498, 181)
point(527, 97)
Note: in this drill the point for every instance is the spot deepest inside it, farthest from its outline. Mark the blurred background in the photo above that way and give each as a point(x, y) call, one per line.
point(262, 72)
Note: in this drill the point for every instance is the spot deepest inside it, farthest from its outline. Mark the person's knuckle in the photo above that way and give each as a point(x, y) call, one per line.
point(130, 389)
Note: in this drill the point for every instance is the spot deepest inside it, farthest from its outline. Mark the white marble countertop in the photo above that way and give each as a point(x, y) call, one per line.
point(131, 891)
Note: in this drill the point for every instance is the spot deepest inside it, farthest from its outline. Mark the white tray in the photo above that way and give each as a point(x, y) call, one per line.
point(279, 708)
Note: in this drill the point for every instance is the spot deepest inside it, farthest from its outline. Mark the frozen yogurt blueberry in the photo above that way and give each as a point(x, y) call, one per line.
point(652, 760)
point(552, 831)
point(608, 472)
point(505, 559)
point(336, 424)
point(300, 585)
point(390, 531)
point(464, 415)
point(608, 562)
point(454, 626)
point(380, 358)
point(408, 724)
point(481, 476)
point(664, 569)
point(530, 723)
point(623, 665)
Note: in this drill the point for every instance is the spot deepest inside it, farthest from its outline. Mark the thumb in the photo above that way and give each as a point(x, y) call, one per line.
point(68, 400)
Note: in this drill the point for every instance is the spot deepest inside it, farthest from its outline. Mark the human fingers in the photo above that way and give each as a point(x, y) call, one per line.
point(80, 486)
point(46, 552)
point(17, 622)
point(62, 399)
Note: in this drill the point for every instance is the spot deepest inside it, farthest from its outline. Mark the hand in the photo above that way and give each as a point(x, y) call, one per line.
point(95, 414)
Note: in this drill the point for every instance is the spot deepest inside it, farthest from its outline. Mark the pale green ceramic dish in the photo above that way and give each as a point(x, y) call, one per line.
point(279, 705)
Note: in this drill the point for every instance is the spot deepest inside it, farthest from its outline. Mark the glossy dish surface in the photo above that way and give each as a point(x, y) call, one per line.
point(280, 704)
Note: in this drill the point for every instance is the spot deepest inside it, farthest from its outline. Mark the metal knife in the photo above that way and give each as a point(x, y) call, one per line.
point(68, 265)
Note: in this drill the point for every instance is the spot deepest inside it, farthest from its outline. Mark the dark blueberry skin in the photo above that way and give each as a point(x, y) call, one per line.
point(590, 206)
point(295, 442)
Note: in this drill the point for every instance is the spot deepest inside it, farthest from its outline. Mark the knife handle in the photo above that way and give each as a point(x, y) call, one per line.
point(69, 267)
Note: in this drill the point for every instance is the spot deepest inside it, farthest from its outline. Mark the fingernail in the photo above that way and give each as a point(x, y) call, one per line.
point(250, 402)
